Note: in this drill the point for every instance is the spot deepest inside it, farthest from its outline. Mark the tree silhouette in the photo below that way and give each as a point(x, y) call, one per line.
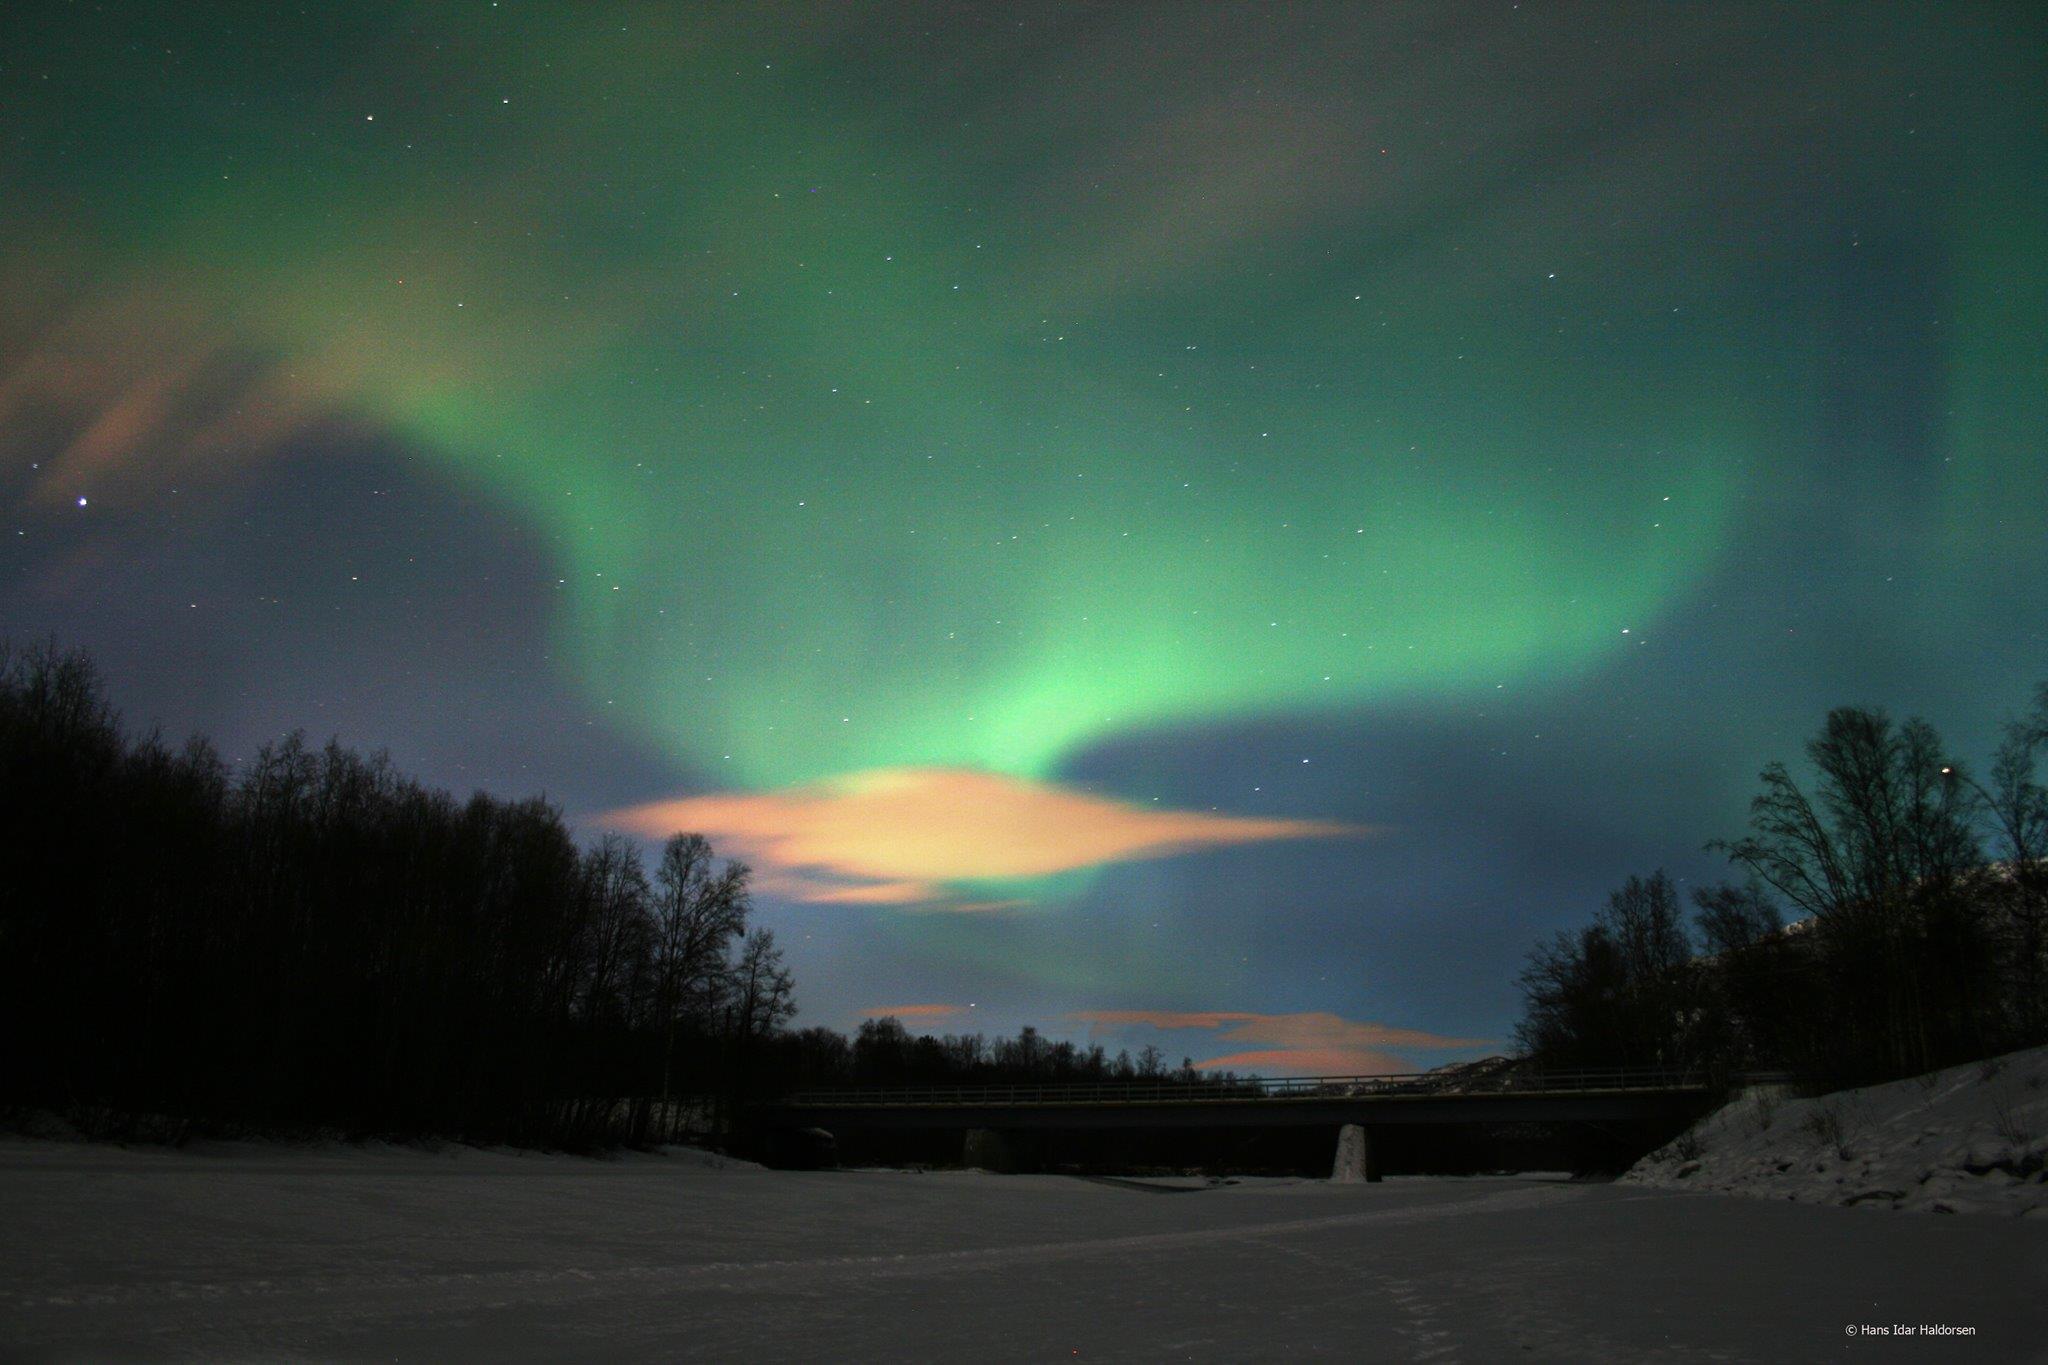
point(312, 939)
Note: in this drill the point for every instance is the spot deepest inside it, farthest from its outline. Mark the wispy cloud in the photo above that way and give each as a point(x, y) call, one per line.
point(1312, 1043)
point(913, 836)
point(136, 385)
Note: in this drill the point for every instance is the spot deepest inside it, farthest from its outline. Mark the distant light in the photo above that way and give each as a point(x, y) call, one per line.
point(81, 502)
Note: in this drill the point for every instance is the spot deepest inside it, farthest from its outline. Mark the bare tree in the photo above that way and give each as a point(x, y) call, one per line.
point(698, 911)
point(1885, 859)
point(2015, 802)
point(617, 895)
point(761, 992)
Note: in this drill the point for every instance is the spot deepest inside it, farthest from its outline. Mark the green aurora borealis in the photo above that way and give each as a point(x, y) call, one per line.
point(966, 388)
point(831, 492)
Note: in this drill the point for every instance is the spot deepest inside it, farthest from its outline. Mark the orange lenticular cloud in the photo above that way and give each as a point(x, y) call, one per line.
point(906, 836)
point(913, 1011)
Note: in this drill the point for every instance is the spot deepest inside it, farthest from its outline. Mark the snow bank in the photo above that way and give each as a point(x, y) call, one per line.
point(1971, 1139)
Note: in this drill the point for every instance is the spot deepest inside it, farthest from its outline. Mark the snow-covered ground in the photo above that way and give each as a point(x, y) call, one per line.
point(345, 1253)
point(1971, 1139)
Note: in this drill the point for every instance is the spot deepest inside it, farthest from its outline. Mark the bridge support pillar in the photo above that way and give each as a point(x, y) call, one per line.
point(1356, 1161)
point(989, 1149)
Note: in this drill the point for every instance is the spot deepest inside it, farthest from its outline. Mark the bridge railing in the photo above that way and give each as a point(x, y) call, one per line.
point(1248, 1088)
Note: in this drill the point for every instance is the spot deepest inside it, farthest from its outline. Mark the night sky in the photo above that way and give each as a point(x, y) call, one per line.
point(1215, 525)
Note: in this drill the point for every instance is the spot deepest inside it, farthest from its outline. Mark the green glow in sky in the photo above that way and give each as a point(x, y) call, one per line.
point(868, 440)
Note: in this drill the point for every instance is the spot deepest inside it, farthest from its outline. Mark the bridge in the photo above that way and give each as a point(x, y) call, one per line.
point(986, 1114)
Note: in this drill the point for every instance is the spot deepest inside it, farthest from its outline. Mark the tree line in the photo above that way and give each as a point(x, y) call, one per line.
point(312, 939)
point(885, 1055)
point(1892, 919)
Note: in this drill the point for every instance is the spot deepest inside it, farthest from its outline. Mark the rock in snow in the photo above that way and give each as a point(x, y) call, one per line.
point(1970, 1139)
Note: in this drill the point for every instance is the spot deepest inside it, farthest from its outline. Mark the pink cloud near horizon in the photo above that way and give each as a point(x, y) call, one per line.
point(1310, 1043)
point(913, 1011)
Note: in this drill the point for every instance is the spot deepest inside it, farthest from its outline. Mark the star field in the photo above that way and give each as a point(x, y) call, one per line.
point(1495, 429)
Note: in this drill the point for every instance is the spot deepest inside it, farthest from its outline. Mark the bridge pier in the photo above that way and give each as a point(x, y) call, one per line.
point(1356, 1161)
point(989, 1149)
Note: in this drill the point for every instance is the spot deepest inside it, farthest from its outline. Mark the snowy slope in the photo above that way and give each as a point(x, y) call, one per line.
point(1971, 1139)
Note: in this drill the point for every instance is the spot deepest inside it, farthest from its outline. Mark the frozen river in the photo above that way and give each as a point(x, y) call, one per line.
point(339, 1253)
